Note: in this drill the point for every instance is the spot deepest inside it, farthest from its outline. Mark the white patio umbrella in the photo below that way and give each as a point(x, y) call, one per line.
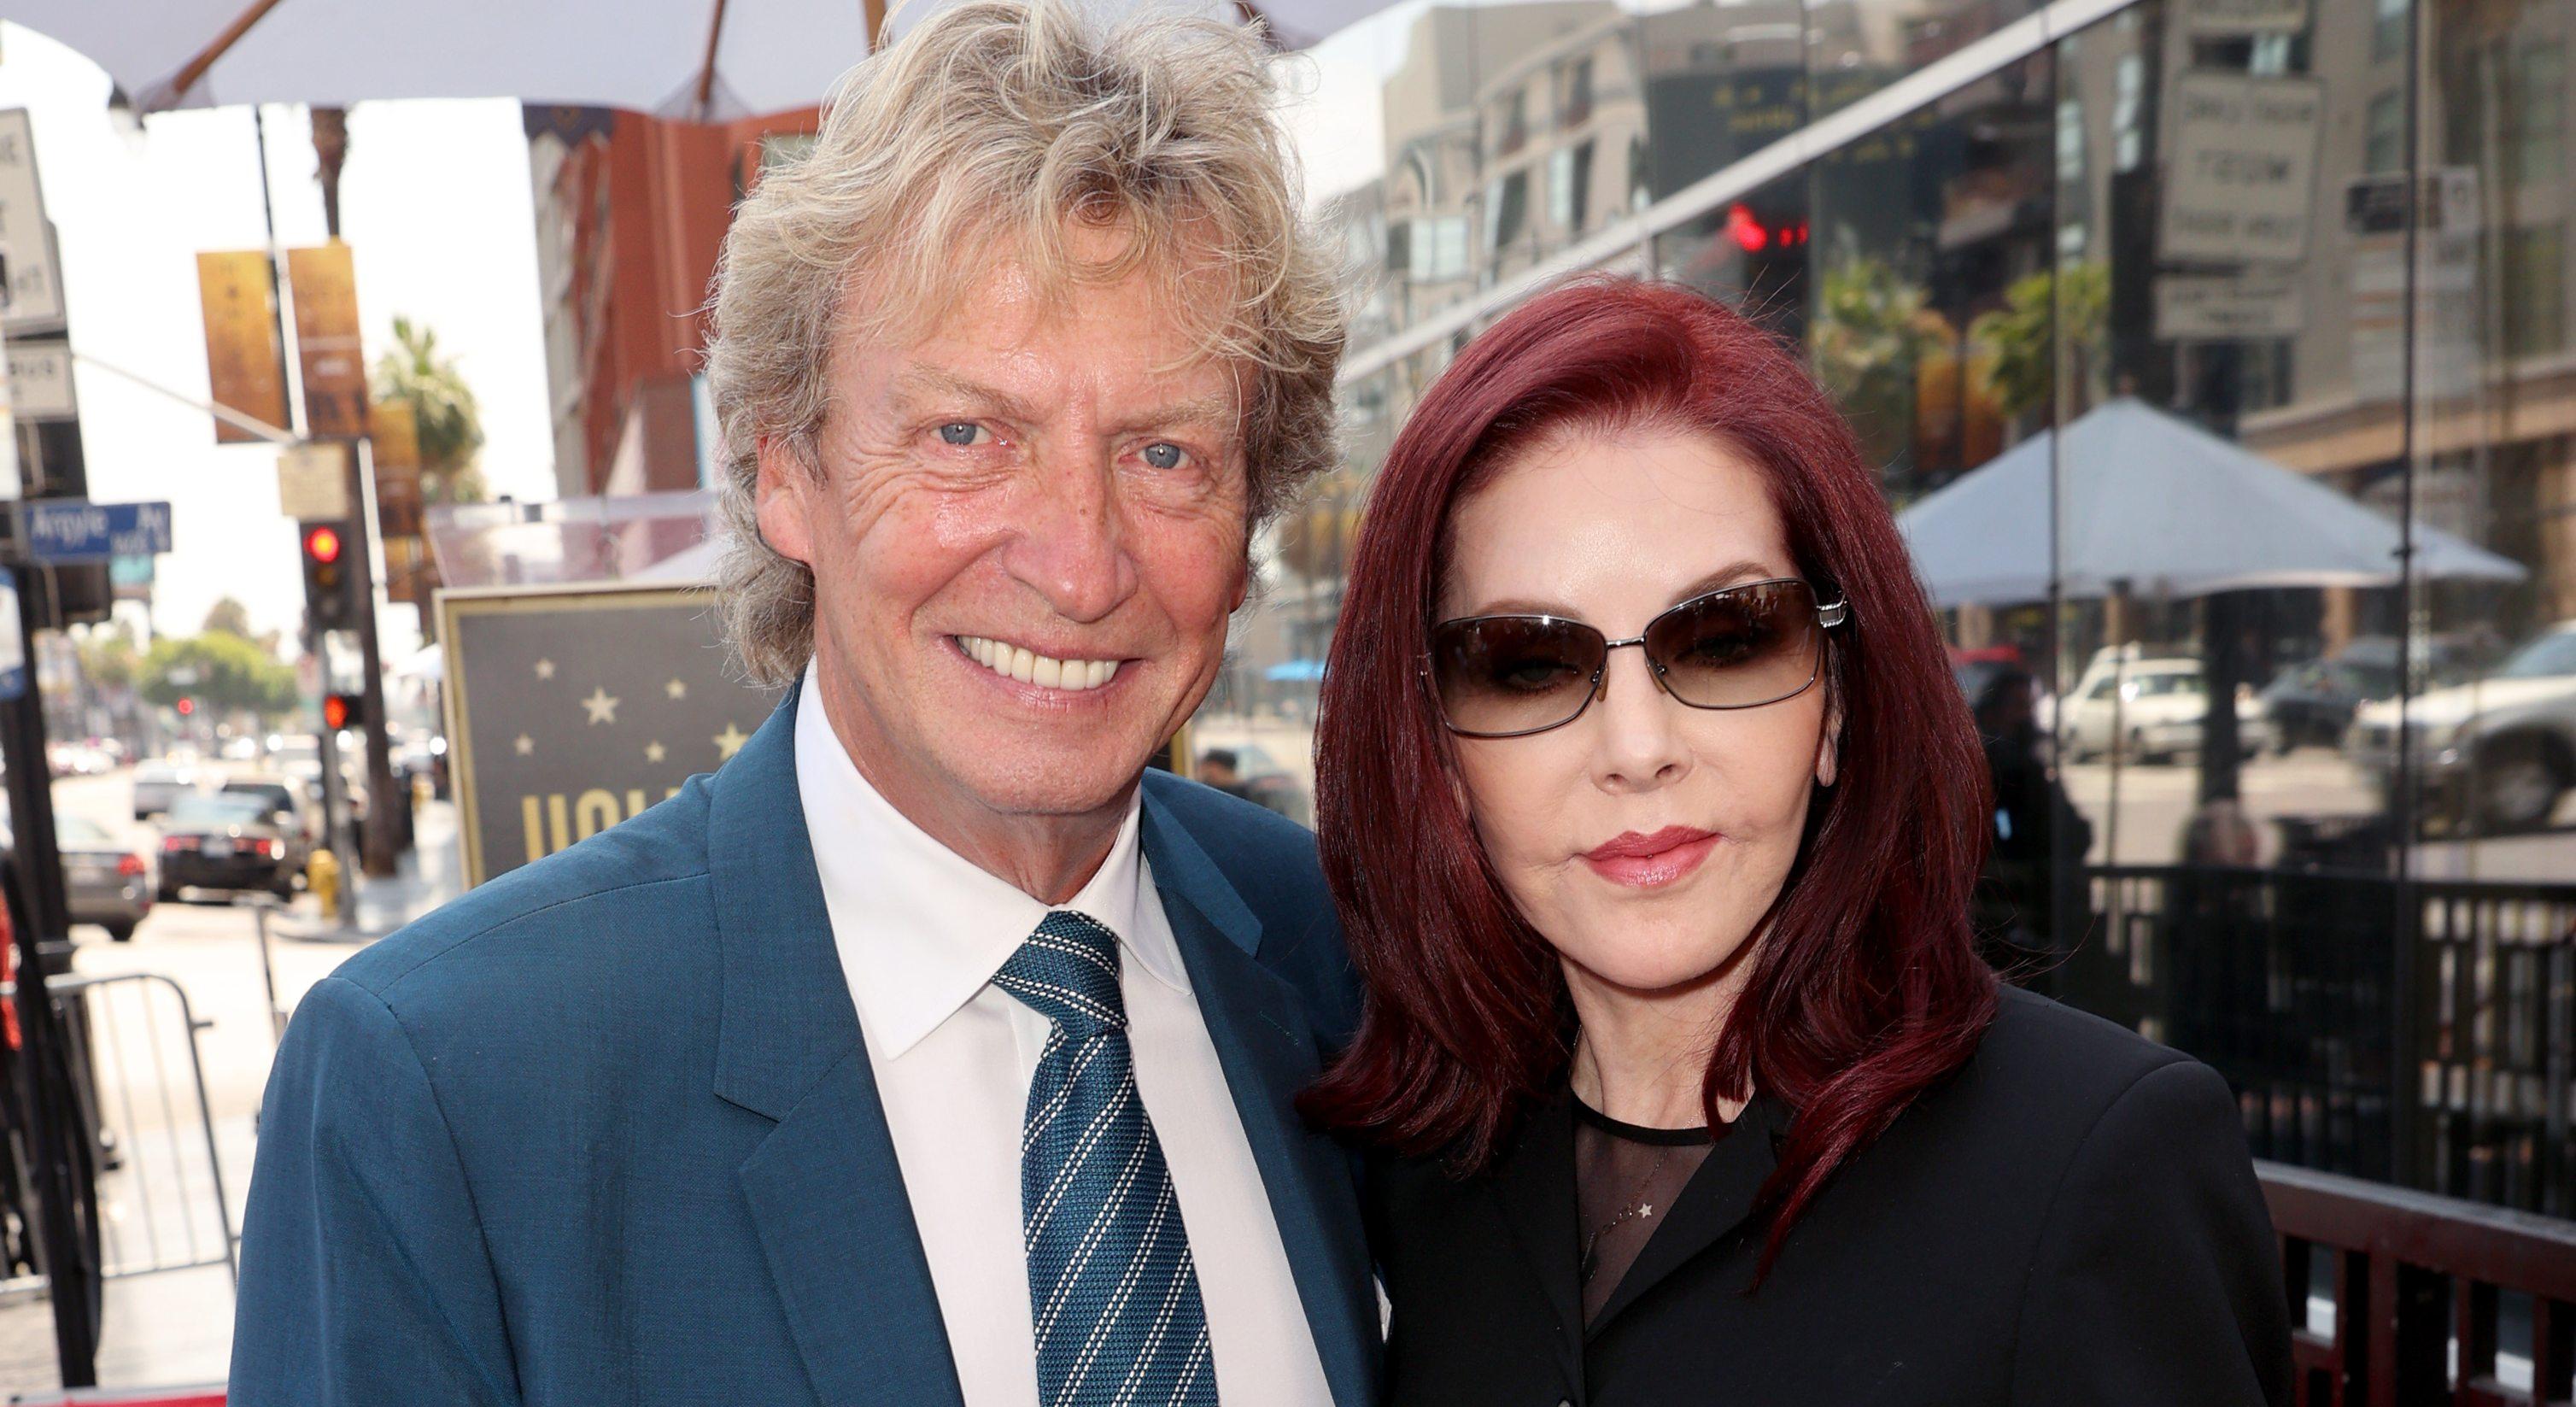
point(2164, 507)
point(696, 59)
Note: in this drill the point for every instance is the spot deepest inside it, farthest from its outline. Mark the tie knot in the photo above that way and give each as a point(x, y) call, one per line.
point(1067, 972)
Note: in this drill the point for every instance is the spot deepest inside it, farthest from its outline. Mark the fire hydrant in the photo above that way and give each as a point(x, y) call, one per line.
point(322, 877)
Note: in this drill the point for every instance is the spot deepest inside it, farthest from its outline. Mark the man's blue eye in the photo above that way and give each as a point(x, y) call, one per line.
point(960, 432)
point(1163, 456)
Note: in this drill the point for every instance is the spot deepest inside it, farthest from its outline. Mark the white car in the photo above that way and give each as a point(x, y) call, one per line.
point(2499, 749)
point(2153, 707)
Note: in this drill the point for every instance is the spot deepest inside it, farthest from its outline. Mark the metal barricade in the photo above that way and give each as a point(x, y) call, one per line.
point(140, 1086)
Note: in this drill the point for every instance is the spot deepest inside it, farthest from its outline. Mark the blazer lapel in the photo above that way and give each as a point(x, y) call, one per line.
point(1258, 1025)
point(823, 1189)
point(1532, 1184)
point(1713, 1205)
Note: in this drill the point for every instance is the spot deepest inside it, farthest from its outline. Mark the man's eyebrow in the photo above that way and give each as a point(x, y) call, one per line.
point(1216, 409)
point(919, 383)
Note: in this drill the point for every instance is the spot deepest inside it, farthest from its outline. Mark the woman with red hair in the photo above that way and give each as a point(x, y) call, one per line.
point(1653, 814)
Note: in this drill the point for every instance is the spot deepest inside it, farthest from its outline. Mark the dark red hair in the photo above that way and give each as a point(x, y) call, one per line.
point(1865, 986)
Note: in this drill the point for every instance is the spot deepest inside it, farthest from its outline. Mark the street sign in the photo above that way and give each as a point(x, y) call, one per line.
point(70, 530)
point(34, 296)
point(243, 370)
point(2240, 183)
point(40, 379)
point(313, 482)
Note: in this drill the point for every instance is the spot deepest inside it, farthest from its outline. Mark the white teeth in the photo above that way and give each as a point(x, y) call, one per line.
point(1046, 672)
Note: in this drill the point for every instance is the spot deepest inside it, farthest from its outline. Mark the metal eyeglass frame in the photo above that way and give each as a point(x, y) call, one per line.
point(1828, 615)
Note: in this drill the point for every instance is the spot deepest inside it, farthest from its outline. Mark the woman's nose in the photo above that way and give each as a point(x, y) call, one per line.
point(1639, 733)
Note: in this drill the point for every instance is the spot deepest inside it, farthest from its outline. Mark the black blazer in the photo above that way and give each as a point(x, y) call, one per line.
point(2071, 1220)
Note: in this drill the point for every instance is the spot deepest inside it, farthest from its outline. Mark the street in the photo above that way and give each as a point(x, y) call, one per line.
point(175, 1327)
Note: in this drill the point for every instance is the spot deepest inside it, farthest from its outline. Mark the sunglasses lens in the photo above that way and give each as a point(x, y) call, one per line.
point(1752, 645)
point(1513, 674)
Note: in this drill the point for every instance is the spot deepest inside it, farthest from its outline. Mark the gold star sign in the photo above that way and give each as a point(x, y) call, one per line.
point(730, 741)
point(654, 752)
point(525, 745)
point(545, 669)
point(602, 706)
point(676, 689)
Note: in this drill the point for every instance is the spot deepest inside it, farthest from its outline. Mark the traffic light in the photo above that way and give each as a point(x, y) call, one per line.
point(187, 706)
point(330, 602)
point(343, 711)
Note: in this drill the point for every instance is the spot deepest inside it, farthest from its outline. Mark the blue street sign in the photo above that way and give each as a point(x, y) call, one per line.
point(70, 530)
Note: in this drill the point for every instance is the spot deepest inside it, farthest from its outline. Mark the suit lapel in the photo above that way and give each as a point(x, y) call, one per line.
point(823, 1189)
point(1532, 1185)
point(1712, 1205)
point(1263, 1041)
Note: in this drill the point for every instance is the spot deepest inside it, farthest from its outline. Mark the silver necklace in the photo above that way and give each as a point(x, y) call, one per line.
point(1634, 1211)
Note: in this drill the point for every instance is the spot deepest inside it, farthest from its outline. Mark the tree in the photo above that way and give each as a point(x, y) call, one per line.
point(2023, 336)
point(1872, 329)
point(108, 659)
point(443, 407)
point(229, 616)
point(220, 670)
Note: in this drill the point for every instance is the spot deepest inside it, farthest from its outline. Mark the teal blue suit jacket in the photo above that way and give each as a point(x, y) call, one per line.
point(604, 1130)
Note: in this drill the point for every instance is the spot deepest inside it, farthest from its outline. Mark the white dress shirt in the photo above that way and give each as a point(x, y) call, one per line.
point(921, 931)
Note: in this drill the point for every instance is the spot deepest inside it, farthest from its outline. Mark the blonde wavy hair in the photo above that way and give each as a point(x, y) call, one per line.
point(1000, 124)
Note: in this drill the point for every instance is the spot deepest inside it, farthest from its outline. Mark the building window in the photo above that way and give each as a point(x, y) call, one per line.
point(2388, 30)
point(1515, 123)
point(1569, 187)
point(2538, 153)
point(2384, 138)
point(1574, 93)
point(1506, 211)
point(2535, 290)
point(1433, 249)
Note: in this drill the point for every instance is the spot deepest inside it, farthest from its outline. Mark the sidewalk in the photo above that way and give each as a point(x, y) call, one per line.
point(432, 874)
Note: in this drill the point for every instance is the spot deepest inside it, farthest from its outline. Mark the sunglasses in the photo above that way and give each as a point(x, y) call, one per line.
point(1743, 647)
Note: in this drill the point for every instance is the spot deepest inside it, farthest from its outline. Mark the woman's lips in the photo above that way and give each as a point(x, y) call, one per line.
point(1651, 861)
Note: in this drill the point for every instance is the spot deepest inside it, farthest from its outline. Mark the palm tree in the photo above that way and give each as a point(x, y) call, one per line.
point(450, 424)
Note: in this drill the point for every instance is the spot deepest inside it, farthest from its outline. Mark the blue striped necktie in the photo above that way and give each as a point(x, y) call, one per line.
point(1112, 1289)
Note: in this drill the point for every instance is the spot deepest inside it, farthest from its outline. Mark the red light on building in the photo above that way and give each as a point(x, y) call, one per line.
point(1753, 236)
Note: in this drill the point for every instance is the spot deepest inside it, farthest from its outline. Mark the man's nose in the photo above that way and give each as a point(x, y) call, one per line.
point(1071, 547)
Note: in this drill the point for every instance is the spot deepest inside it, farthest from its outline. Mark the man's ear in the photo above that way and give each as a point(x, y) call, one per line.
point(782, 495)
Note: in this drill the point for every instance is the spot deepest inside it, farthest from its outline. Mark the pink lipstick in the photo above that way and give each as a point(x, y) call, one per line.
point(1651, 861)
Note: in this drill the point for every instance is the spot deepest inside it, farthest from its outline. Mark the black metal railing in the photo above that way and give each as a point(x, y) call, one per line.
point(2422, 1033)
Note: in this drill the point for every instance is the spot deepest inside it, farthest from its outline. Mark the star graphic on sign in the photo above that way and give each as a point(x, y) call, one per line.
point(602, 706)
point(730, 741)
point(653, 752)
point(545, 669)
point(525, 745)
point(676, 689)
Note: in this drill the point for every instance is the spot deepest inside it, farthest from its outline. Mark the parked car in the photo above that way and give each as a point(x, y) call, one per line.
point(106, 881)
point(231, 840)
point(2314, 701)
point(2499, 749)
point(158, 784)
point(2158, 712)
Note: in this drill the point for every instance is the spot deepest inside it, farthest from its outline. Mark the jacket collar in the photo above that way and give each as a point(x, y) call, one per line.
point(1532, 1184)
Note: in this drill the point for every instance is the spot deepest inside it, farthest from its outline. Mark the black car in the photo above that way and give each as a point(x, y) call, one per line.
point(230, 841)
point(2313, 702)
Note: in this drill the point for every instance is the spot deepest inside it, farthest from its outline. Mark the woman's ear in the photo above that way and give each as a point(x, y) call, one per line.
point(1829, 746)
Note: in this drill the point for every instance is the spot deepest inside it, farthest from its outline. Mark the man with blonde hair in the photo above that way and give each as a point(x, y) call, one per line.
point(933, 1050)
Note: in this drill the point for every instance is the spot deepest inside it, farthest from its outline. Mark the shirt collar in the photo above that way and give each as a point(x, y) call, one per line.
point(921, 929)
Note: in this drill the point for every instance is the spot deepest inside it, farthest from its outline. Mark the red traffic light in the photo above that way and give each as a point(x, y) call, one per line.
point(187, 706)
point(322, 544)
point(341, 711)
